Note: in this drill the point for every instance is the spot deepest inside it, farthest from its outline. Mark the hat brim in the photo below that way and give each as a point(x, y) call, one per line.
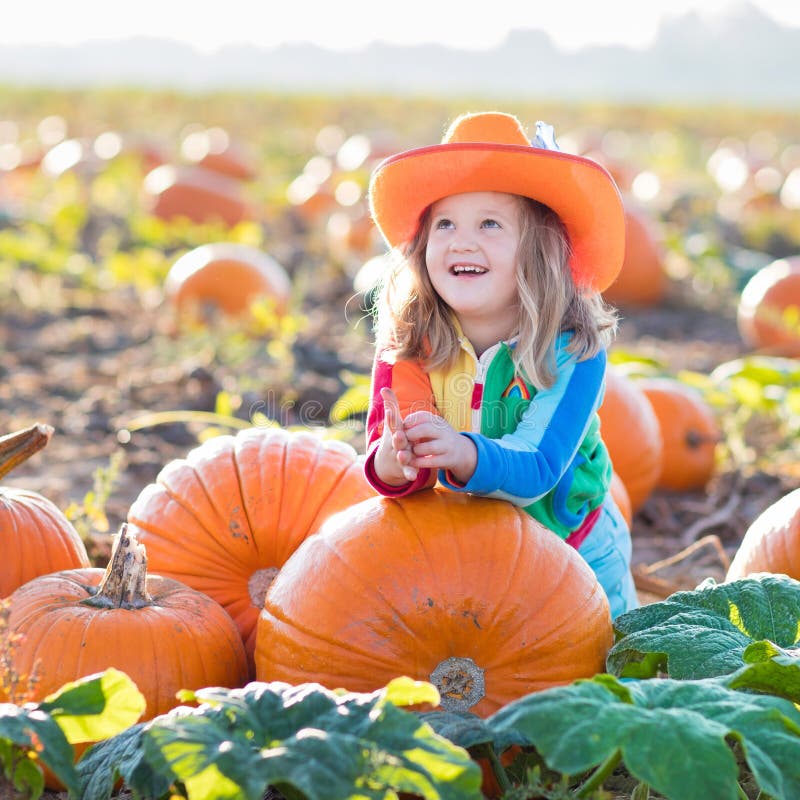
point(578, 189)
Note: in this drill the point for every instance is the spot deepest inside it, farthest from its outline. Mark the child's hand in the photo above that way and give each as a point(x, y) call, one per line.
point(395, 444)
point(437, 445)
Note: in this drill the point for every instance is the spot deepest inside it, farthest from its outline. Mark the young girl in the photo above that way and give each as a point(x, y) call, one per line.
point(491, 332)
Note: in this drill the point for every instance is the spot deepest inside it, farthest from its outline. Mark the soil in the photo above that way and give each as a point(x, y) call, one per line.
point(91, 370)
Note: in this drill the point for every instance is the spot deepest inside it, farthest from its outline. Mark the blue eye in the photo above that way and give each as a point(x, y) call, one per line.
point(442, 224)
point(490, 223)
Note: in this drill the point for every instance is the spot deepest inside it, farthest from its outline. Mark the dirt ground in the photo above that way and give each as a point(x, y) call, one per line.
point(90, 369)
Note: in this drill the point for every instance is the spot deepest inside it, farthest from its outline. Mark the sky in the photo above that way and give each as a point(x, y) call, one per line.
point(350, 24)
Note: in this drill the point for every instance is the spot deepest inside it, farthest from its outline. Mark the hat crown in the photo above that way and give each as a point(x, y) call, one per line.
point(490, 126)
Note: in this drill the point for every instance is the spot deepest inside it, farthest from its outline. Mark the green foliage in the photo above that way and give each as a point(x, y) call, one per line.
point(726, 712)
point(90, 514)
point(758, 400)
point(705, 632)
point(769, 669)
point(93, 708)
point(671, 734)
point(354, 400)
point(305, 740)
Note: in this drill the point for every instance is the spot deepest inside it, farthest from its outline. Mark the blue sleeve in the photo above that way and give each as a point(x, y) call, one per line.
point(525, 465)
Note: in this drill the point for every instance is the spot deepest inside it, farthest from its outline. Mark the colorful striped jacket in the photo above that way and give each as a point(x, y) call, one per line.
point(540, 450)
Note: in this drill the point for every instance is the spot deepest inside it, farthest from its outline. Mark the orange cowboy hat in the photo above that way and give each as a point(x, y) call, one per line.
point(489, 151)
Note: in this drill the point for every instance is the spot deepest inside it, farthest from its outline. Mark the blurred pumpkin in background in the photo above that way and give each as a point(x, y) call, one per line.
point(214, 149)
point(772, 542)
point(631, 433)
point(226, 276)
point(196, 194)
point(689, 433)
point(642, 280)
point(768, 314)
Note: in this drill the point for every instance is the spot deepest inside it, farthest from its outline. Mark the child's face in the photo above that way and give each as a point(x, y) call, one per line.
point(472, 255)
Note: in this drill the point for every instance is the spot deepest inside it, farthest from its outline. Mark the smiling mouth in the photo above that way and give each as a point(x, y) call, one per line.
point(467, 269)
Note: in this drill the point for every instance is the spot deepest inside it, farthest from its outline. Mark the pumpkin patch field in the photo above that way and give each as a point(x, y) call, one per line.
point(200, 594)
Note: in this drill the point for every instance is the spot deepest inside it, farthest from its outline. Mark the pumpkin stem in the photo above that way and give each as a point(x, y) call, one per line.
point(460, 683)
point(21, 445)
point(125, 583)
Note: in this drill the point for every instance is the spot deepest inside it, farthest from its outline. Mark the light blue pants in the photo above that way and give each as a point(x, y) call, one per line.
point(607, 550)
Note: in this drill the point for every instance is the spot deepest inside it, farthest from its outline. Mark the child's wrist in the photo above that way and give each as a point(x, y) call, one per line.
point(467, 461)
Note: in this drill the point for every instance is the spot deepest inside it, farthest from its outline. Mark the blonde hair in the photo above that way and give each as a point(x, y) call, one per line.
point(414, 322)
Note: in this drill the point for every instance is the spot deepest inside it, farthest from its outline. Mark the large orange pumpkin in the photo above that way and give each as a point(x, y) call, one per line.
point(768, 313)
point(196, 194)
point(35, 536)
point(226, 518)
point(469, 593)
point(772, 542)
point(161, 633)
point(630, 430)
point(226, 276)
point(642, 280)
point(689, 432)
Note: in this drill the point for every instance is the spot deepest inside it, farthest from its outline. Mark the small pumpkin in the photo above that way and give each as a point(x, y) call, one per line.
point(196, 194)
point(162, 634)
point(350, 233)
point(630, 430)
point(689, 432)
point(768, 313)
point(225, 519)
point(642, 280)
point(35, 536)
point(772, 542)
point(226, 276)
point(215, 149)
point(469, 593)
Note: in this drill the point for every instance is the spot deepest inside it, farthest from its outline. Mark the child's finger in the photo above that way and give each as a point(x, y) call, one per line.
point(404, 459)
point(419, 417)
point(410, 473)
point(429, 447)
point(391, 408)
point(423, 431)
point(400, 440)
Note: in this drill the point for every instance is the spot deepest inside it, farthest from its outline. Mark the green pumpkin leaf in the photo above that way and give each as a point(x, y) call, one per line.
point(408, 692)
point(121, 756)
point(467, 730)
point(96, 707)
point(771, 669)
point(671, 734)
point(323, 744)
point(704, 633)
point(29, 729)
